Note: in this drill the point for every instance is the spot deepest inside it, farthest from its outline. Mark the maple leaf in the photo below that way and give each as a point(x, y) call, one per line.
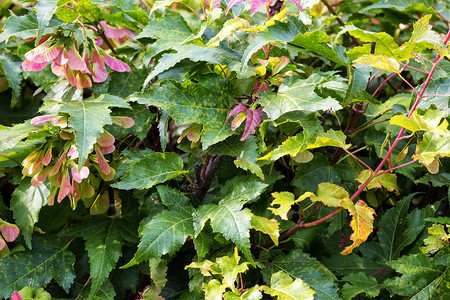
point(362, 222)
point(253, 119)
point(256, 4)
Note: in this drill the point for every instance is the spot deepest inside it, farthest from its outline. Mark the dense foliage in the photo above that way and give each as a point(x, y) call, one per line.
point(224, 149)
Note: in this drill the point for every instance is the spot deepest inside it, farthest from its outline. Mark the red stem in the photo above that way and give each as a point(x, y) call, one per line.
point(397, 167)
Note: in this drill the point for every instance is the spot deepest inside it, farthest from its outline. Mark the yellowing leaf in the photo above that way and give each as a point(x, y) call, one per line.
point(430, 148)
point(361, 223)
point(386, 180)
point(380, 62)
point(285, 200)
point(227, 30)
point(214, 290)
point(284, 288)
point(266, 226)
point(330, 138)
point(330, 194)
point(231, 268)
point(437, 240)
point(207, 268)
point(430, 121)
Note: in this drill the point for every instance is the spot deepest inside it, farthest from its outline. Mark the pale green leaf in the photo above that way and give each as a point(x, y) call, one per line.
point(386, 180)
point(358, 283)
point(297, 94)
point(104, 239)
point(24, 27)
point(152, 169)
point(249, 166)
point(330, 194)
point(11, 66)
point(26, 203)
point(202, 243)
point(10, 136)
point(166, 232)
point(331, 138)
point(87, 118)
point(440, 86)
point(267, 226)
point(284, 288)
point(385, 44)
point(45, 9)
point(292, 146)
point(207, 103)
point(252, 293)
point(403, 6)
point(48, 260)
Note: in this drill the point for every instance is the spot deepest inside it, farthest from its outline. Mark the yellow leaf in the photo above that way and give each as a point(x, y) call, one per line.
point(285, 200)
point(361, 223)
point(267, 226)
point(380, 62)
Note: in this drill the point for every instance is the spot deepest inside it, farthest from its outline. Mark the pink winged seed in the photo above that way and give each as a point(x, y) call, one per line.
point(10, 232)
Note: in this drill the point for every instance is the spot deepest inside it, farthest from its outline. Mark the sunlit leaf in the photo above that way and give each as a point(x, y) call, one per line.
point(266, 226)
point(386, 180)
point(285, 200)
point(284, 288)
point(330, 194)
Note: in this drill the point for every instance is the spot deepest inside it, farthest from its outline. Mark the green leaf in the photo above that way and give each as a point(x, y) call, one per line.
point(48, 259)
point(88, 117)
point(199, 53)
point(297, 94)
point(45, 9)
point(317, 42)
point(284, 288)
point(104, 239)
point(358, 283)
point(285, 200)
point(26, 203)
point(122, 84)
point(330, 194)
point(418, 273)
point(402, 5)
point(267, 226)
point(202, 243)
point(167, 231)
point(250, 166)
point(158, 273)
point(170, 31)
point(392, 227)
point(283, 32)
point(11, 66)
point(106, 292)
point(207, 102)
point(151, 170)
point(440, 86)
point(229, 219)
point(11, 136)
point(386, 180)
point(24, 27)
point(232, 146)
point(301, 265)
point(352, 263)
point(310, 175)
point(385, 43)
